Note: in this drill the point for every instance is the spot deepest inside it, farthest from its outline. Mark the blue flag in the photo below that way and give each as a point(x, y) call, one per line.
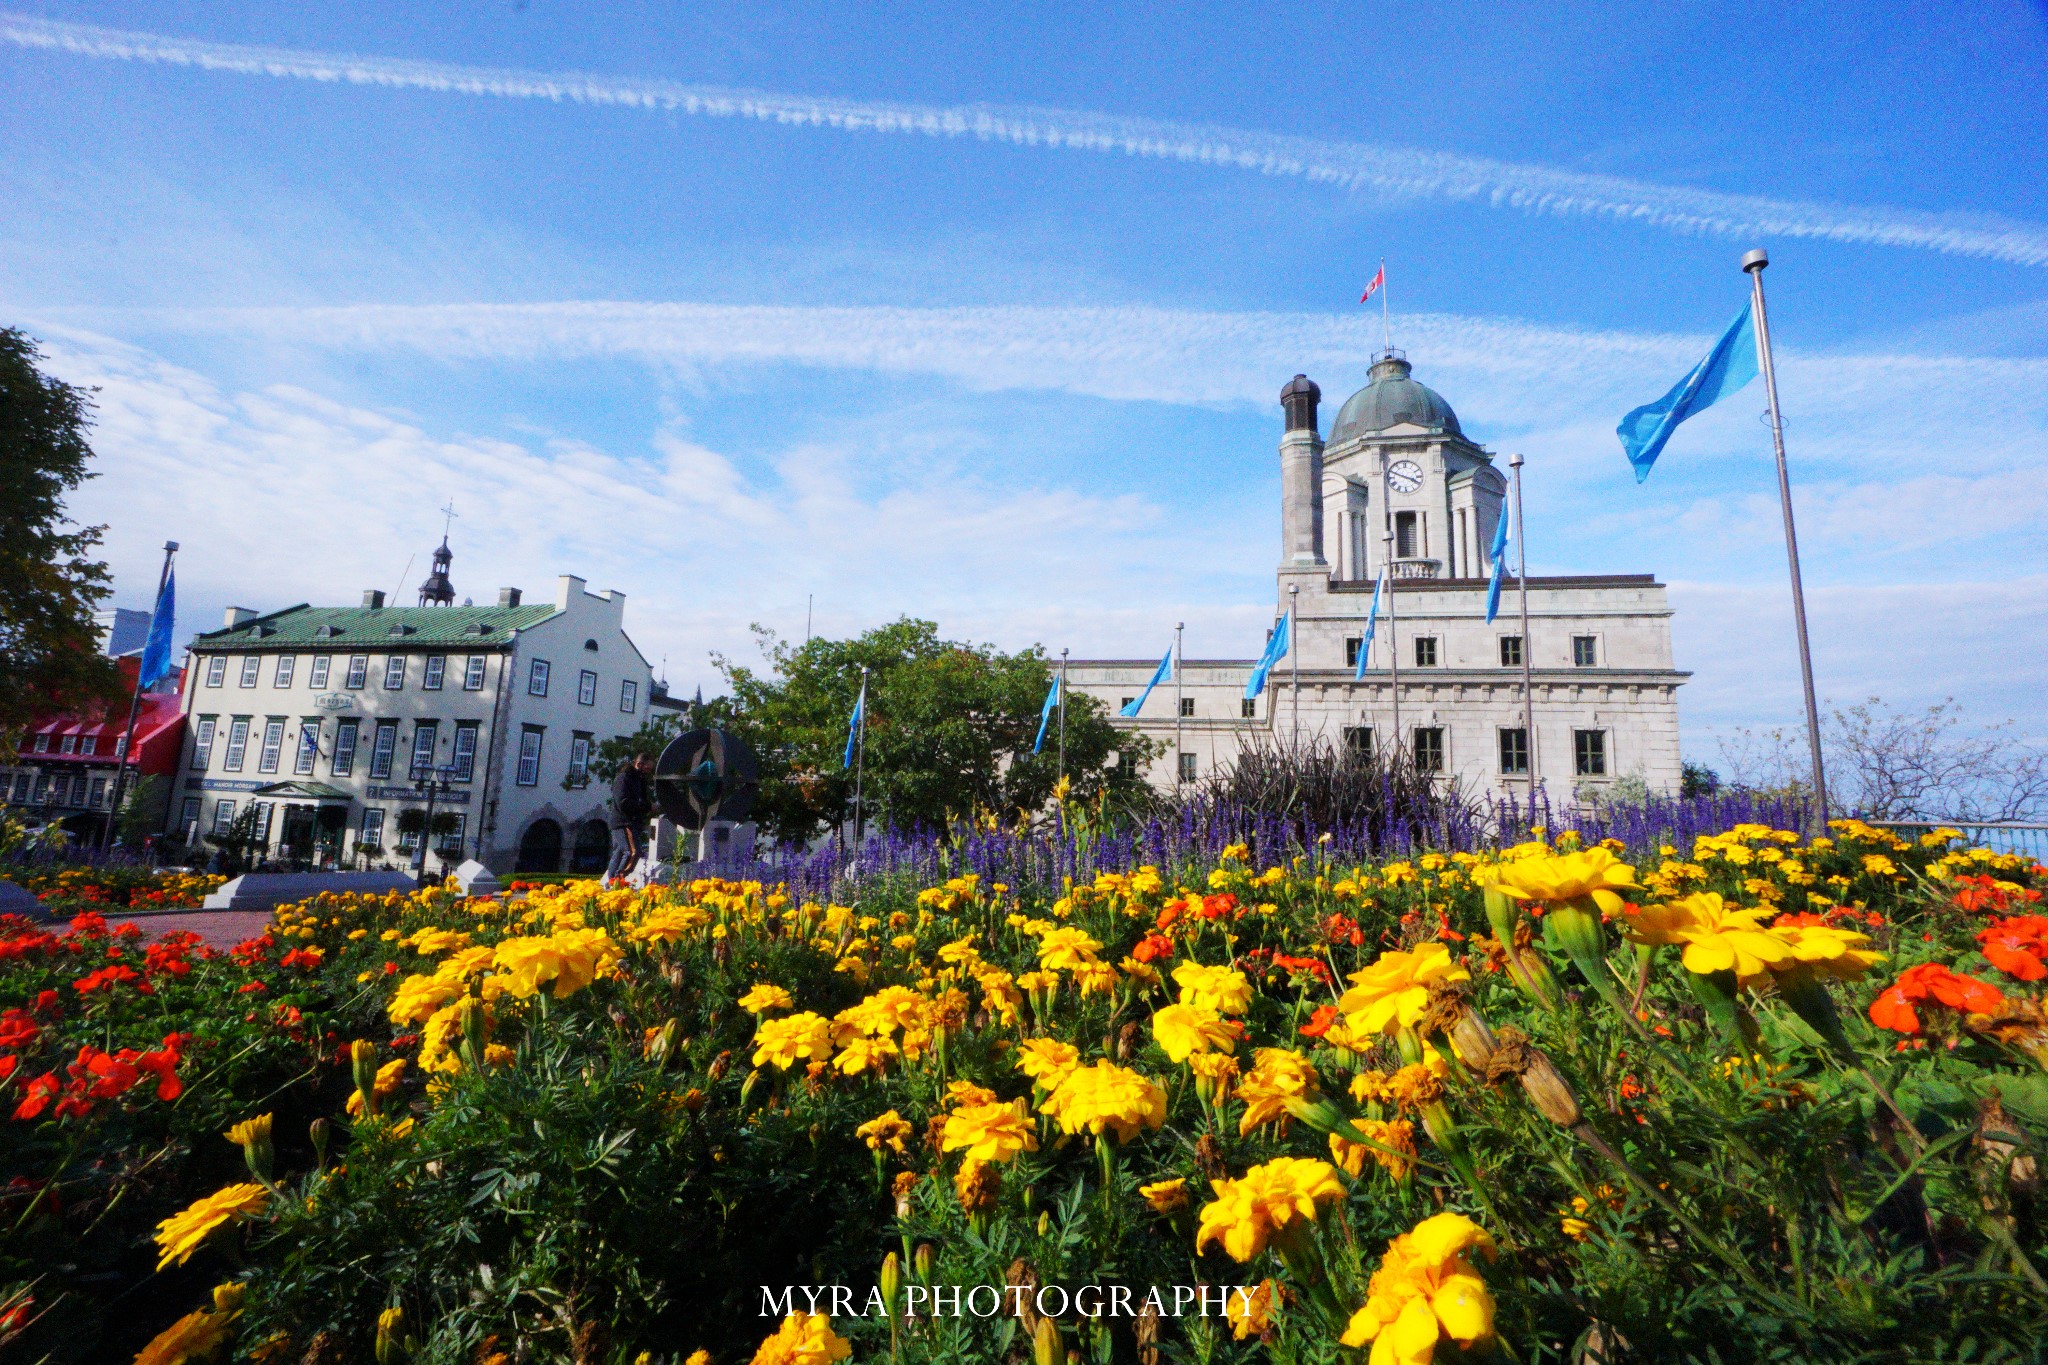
point(1052, 700)
point(853, 726)
point(1164, 674)
point(1372, 622)
point(156, 651)
point(1276, 650)
point(1499, 554)
point(1730, 365)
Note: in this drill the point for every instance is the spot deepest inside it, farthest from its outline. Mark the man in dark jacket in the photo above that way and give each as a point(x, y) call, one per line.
point(632, 803)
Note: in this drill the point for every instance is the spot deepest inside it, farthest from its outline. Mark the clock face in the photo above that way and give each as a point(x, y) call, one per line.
point(1405, 475)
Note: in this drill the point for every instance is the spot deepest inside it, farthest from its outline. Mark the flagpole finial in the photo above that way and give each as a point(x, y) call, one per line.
point(170, 547)
point(1753, 261)
point(1514, 461)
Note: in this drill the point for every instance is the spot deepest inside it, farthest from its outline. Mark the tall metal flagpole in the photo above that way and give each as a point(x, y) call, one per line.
point(1528, 645)
point(1178, 627)
point(1393, 640)
point(1063, 713)
point(1753, 264)
point(124, 755)
point(1294, 655)
point(860, 757)
point(1386, 325)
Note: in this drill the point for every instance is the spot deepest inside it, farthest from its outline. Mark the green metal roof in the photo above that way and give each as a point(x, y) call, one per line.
point(379, 629)
point(305, 791)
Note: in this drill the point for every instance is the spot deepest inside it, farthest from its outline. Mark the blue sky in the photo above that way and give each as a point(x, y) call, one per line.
point(330, 265)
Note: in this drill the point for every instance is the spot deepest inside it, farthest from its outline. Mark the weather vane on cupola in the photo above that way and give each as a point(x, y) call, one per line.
point(438, 590)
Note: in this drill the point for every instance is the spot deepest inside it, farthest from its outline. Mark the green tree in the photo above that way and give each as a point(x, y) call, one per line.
point(49, 585)
point(143, 809)
point(949, 731)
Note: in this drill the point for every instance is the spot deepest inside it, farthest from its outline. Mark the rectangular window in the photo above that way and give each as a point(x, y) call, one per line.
point(202, 744)
point(1187, 767)
point(273, 745)
point(1358, 739)
point(344, 748)
point(238, 744)
point(629, 696)
point(1187, 706)
point(449, 840)
point(121, 747)
point(223, 816)
point(250, 664)
point(1514, 751)
point(1248, 708)
point(1589, 753)
point(382, 747)
point(262, 824)
point(287, 664)
point(217, 670)
point(1510, 651)
point(537, 678)
point(437, 668)
point(70, 745)
point(394, 673)
point(424, 734)
point(42, 790)
point(373, 829)
point(473, 673)
point(21, 784)
point(42, 744)
point(358, 671)
point(188, 818)
point(586, 688)
point(1124, 704)
point(579, 759)
point(1425, 651)
point(1429, 749)
point(1585, 651)
point(465, 751)
point(99, 792)
point(1351, 647)
point(529, 757)
point(1404, 535)
point(89, 745)
point(316, 677)
point(408, 839)
point(309, 746)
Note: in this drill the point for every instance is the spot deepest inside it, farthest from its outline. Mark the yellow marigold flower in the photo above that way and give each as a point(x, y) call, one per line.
point(1575, 1228)
point(668, 924)
point(700, 1356)
point(1830, 951)
point(1047, 1060)
point(1718, 937)
point(1106, 1096)
point(1394, 990)
point(432, 942)
point(1222, 989)
point(885, 1130)
point(418, 997)
point(250, 1132)
point(178, 1236)
point(1424, 1292)
point(1144, 973)
point(1250, 1314)
point(803, 1339)
point(787, 1041)
point(889, 1009)
point(1398, 1134)
point(571, 958)
point(390, 1080)
point(988, 1132)
point(966, 1094)
point(1590, 874)
point(198, 1335)
point(1278, 1074)
point(1067, 948)
point(1183, 1030)
point(1095, 978)
point(497, 1054)
point(1215, 1071)
point(1165, 1196)
point(1038, 981)
point(865, 1054)
point(1284, 1192)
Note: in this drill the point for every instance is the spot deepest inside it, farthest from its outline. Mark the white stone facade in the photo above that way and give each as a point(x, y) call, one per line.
point(307, 709)
point(1399, 485)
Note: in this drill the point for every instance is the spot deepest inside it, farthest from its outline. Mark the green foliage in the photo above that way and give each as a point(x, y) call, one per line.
point(950, 728)
point(49, 584)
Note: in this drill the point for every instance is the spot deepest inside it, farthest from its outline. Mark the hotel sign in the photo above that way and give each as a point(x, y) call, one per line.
point(334, 701)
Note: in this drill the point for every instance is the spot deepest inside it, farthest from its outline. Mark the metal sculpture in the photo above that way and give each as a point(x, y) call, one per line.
point(706, 775)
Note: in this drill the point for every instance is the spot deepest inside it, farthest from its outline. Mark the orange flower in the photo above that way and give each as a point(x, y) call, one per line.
point(2018, 946)
point(1893, 1009)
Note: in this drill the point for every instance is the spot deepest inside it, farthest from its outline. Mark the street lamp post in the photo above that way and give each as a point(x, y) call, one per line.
point(435, 781)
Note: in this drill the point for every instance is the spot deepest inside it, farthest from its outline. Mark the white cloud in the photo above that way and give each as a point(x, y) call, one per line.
point(1352, 166)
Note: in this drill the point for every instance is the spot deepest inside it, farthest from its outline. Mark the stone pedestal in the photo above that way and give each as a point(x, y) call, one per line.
point(267, 890)
point(726, 841)
point(475, 879)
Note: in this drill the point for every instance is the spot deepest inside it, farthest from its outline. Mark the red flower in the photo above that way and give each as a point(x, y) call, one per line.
point(106, 978)
point(91, 924)
point(1893, 1008)
point(48, 1002)
point(1150, 948)
point(252, 986)
point(37, 1096)
point(2018, 946)
point(1312, 965)
point(1319, 1023)
point(17, 1029)
point(309, 958)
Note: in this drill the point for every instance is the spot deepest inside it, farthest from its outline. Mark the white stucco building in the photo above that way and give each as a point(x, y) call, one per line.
point(342, 710)
point(1399, 482)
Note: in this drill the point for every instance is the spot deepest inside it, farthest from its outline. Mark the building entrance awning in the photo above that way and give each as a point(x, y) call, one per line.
point(303, 791)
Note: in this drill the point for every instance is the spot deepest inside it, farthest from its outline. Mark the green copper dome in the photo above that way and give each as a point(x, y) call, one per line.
point(1392, 398)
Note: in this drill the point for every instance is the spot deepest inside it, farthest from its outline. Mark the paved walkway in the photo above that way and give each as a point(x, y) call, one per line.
point(216, 928)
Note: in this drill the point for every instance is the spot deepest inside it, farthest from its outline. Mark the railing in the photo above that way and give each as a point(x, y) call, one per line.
point(2006, 836)
point(1417, 568)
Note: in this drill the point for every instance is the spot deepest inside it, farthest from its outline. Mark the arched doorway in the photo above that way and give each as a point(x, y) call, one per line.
point(540, 848)
point(593, 847)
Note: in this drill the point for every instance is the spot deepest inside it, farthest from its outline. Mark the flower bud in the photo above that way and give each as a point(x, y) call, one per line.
point(390, 1346)
point(923, 1262)
point(892, 1282)
point(318, 1130)
point(363, 1054)
point(253, 1136)
point(1046, 1347)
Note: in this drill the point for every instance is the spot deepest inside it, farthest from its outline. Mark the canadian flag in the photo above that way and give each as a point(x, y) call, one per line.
point(1372, 285)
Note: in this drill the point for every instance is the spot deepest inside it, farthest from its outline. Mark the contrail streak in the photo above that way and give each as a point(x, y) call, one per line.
point(1352, 166)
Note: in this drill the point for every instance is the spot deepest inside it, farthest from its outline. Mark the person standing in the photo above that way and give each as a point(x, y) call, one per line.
point(631, 805)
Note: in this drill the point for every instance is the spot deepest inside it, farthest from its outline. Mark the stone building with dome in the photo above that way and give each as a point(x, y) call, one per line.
point(1399, 485)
